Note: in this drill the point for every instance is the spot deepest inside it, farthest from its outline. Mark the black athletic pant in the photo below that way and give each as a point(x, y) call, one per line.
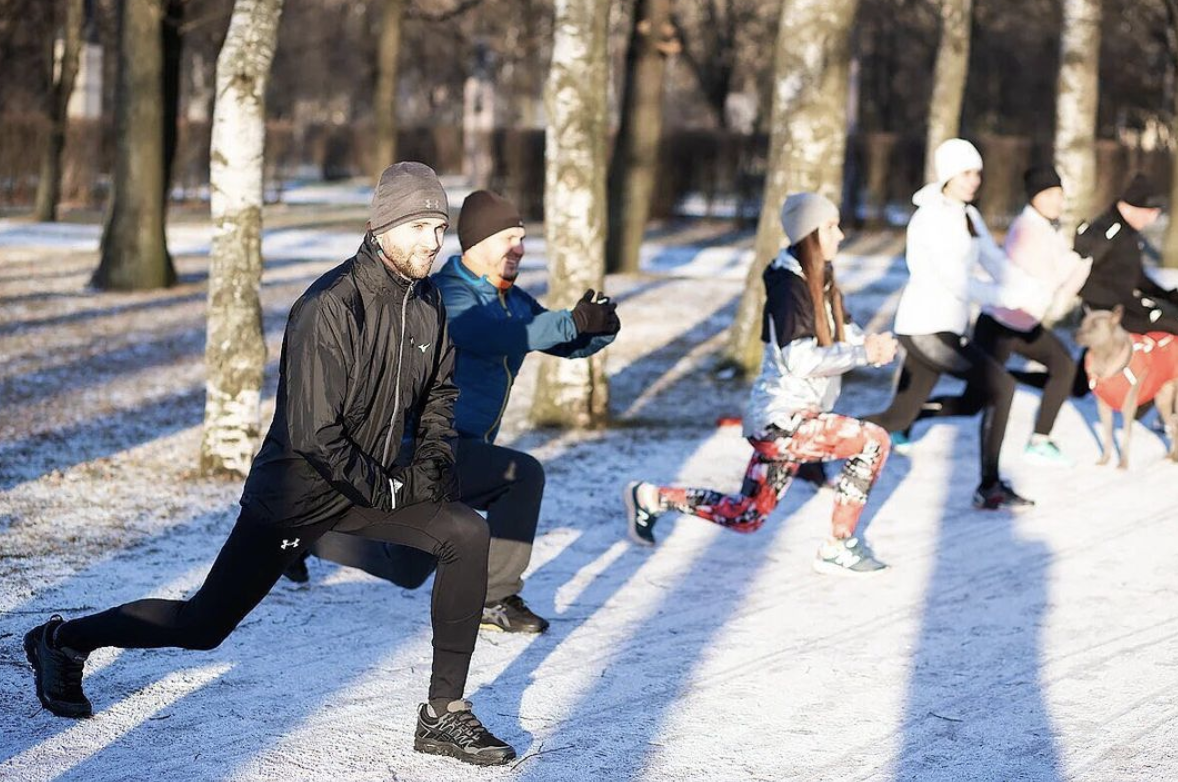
point(1038, 344)
point(252, 561)
point(989, 390)
point(507, 484)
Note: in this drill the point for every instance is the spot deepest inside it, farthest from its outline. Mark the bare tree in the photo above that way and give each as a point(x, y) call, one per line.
point(235, 353)
point(807, 145)
point(65, 71)
point(1170, 255)
point(134, 254)
point(388, 52)
point(949, 76)
point(575, 392)
point(634, 163)
point(1076, 107)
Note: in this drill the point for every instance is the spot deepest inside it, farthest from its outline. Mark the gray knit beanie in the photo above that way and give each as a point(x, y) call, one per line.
point(407, 191)
point(803, 213)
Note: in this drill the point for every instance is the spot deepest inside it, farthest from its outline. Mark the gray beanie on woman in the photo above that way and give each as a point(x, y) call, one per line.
point(803, 213)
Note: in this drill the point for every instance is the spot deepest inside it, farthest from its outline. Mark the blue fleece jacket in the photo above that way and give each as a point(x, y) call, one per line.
point(492, 331)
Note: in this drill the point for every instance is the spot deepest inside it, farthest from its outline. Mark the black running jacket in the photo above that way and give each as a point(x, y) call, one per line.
point(364, 352)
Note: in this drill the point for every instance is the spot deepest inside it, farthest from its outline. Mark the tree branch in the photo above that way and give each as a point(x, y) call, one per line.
point(442, 16)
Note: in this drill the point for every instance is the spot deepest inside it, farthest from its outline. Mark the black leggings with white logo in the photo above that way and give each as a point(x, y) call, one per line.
point(252, 561)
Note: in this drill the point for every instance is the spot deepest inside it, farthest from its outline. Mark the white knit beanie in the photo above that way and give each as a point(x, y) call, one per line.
point(955, 156)
point(803, 213)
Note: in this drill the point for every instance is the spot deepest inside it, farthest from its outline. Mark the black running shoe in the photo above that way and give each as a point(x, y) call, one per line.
point(457, 733)
point(512, 615)
point(998, 496)
point(58, 672)
point(640, 513)
point(297, 571)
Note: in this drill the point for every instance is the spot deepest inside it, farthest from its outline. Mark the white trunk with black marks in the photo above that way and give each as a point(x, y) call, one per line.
point(1076, 108)
point(807, 145)
point(235, 354)
point(949, 75)
point(575, 393)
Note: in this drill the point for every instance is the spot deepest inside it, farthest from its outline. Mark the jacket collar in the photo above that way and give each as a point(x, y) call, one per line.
point(786, 261)
point(372, 272)
point(455, 267)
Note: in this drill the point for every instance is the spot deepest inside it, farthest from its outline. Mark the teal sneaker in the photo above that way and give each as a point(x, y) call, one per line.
point(900, 443)
point(1040, 450)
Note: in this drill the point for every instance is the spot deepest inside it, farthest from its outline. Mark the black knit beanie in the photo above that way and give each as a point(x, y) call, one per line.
point(485, 214)
point(406, 191)
point(1040, 178)
point(1142, 192)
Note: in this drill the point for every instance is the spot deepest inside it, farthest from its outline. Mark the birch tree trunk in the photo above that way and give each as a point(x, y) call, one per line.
point(1076, 105)
point(134, 254)
point(807, 145)
point(235, 352)
point(388, 52)
point(634, 164)
point(575, 392)
point(65, 73)
point(949, 75)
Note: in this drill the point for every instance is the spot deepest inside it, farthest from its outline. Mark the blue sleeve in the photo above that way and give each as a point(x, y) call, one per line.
point(474, 329)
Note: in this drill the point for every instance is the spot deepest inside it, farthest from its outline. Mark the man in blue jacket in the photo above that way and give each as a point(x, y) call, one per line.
point(493, 324)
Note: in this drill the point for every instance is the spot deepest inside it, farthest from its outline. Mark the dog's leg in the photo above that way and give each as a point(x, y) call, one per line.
point(1128, 419)
point(1106, 431)
point(1167, 404)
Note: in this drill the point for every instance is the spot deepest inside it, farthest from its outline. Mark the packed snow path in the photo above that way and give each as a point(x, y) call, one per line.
point(998, 647)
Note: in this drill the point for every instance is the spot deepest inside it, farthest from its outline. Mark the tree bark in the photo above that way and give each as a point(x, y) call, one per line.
point(235, 352)
point(64, 76)
point(1076, 108)
point(575, 392)
point(807, 145)
point(172, 43)
point(134, 253)
point(1170, 249)
point(949, 75)
point(388, 52)
point(634, 164)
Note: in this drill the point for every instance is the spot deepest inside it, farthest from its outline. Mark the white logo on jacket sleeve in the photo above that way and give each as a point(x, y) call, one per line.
point(289, 543)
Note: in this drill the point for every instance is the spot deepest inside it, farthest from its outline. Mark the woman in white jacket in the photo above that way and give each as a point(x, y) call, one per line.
point(809, 345)
point(947, 243)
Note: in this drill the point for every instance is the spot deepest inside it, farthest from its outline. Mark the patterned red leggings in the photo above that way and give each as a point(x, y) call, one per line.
point(808, 437)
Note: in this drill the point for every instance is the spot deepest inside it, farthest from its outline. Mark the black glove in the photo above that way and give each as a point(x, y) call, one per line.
point(426, 480)
point(596, 317)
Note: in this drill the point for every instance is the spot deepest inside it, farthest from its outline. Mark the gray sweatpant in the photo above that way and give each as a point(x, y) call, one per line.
point(507, 485)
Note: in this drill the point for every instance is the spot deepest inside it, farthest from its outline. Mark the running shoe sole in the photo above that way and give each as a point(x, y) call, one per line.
point(431, 747)
point(830, 569)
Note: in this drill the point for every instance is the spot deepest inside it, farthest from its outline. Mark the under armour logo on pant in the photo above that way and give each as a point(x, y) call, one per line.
point(289, 543)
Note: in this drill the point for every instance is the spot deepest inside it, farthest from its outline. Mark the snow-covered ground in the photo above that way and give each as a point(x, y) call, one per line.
point(1031, 647)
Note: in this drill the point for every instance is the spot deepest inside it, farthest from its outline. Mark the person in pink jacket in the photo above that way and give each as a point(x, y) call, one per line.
point(1035, 244)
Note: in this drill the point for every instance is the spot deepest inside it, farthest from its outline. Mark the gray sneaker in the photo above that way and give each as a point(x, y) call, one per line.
point(851, 556)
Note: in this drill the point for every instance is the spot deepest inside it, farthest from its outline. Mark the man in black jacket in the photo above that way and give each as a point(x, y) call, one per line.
point(1114, 242)
point(366, 349)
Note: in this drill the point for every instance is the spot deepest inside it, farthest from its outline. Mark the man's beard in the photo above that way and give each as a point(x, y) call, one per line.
point(408, 265)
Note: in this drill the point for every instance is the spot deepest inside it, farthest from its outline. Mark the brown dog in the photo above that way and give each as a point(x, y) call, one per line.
point(1126, 371)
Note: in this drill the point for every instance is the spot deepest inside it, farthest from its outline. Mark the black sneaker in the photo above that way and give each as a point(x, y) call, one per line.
point(641, 513)
point(58, 672)
point(997, 496)
point(297, 571)
point(457, 733)
point(512, 615)
point(851, 557)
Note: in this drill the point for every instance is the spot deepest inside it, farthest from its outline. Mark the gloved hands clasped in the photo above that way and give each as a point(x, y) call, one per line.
point(596, 314)
point(426, 480)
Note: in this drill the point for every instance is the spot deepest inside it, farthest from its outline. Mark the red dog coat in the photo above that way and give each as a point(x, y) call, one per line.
point(1156, 351)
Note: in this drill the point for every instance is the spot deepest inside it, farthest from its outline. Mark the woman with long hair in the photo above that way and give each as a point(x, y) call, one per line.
point(809, 344)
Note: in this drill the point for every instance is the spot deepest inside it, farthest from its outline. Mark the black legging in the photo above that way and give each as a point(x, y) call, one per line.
point(989, 390)
point(252, 561)
point(1038, 344)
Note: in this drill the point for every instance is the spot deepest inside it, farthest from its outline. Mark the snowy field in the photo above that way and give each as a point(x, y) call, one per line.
point(998, 647)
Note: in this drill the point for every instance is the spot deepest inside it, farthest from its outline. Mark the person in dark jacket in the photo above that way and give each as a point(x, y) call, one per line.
point(366, 350)
point(1114, 242)
point(494, 325)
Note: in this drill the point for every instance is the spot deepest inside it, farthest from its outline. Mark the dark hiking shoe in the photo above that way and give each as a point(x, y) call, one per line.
point(58, 672)
point(512, 615)
point(641, 511)
point(297, 571)
point(851, 557)
point(457, 733)
point(997, 496)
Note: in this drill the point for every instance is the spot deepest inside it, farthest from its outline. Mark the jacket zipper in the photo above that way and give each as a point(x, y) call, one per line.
point(397, 379)
point(510, 380)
